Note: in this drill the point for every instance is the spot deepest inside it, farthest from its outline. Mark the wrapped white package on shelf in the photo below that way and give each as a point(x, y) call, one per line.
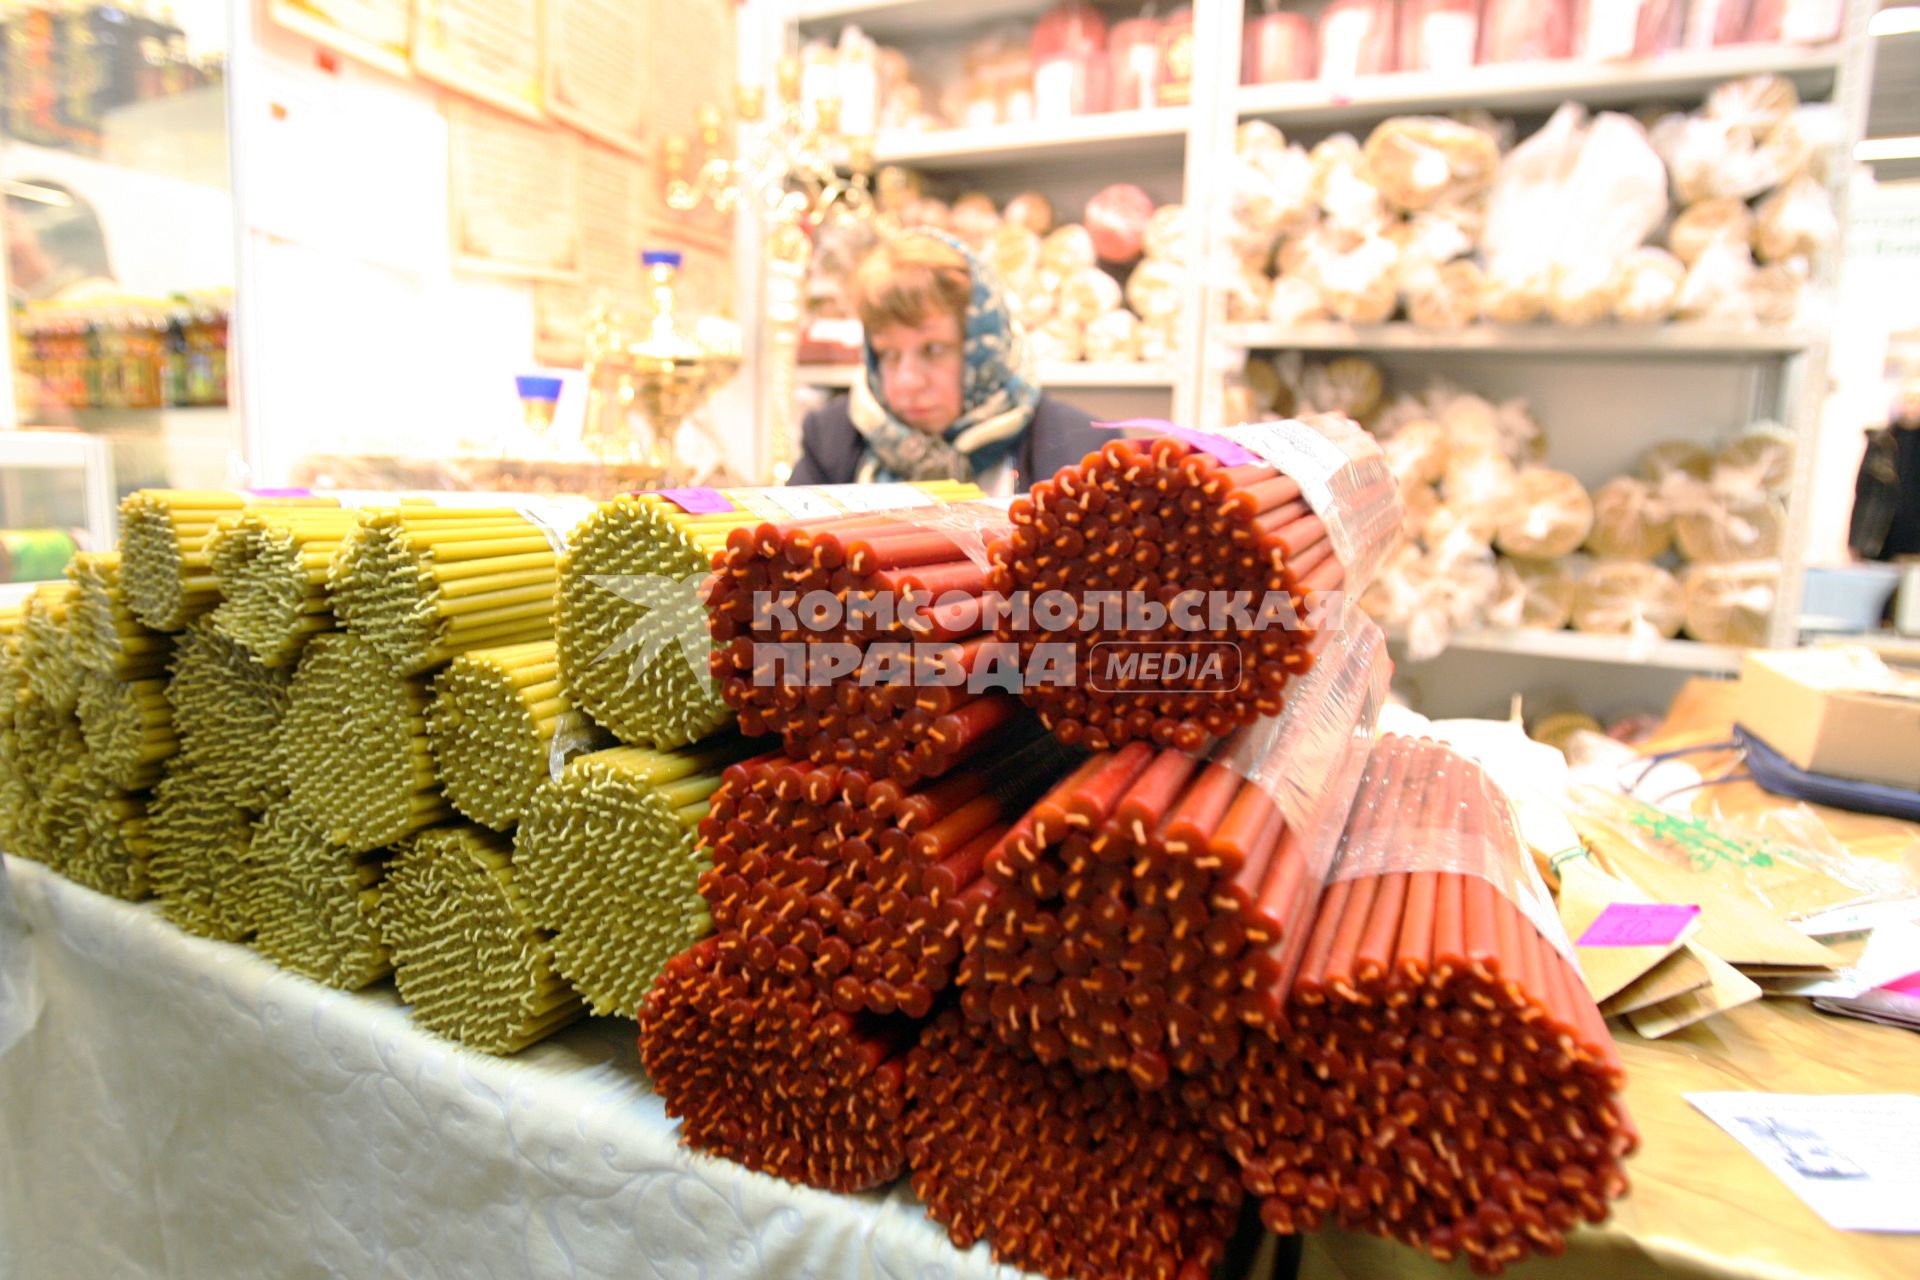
point(1153, 289)
point(1731, 603)
point(1628, 598)
point(1295, 300)
point(1797, 220)
point(1416, 161)
point(1546, 514)
point(1629, 521)
point(1114, 337)
point(1087, 295)
point(1534, 595)
point(1647, 286)
point(1699, 226)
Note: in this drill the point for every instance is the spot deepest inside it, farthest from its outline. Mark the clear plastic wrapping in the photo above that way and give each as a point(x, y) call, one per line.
point(1114, 337)
point(1067, 249)
point(1646, 286)
point(1117, 219)
point(1712, 528)
point(1446, 297)
point(1629, 598)
point(1630, 522)
point(1548, 514)
point(1731, 603)
point(1087, 295)
point(1344, 479)
point(1718, 220)
point(1356, 39)
point(1798, 220)
point(1535, 595)
point(1417, 161)
point(1475, 833)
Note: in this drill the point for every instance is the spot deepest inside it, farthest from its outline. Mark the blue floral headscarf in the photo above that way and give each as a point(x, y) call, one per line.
point(997, 395)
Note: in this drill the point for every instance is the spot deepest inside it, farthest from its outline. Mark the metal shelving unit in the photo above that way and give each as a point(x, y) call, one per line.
point(1160, 132)
point(1650, 342)
point(1066, 375)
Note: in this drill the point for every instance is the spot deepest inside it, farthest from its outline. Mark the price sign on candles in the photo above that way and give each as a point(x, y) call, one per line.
point(1639, 924)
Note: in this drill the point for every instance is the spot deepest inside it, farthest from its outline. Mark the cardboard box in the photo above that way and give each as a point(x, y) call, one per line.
point(1838, 711)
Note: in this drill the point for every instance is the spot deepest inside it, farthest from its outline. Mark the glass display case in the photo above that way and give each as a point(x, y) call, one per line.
point(120, 264)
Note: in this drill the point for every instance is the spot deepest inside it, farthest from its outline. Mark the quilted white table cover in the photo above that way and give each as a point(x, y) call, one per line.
point(176, 1107)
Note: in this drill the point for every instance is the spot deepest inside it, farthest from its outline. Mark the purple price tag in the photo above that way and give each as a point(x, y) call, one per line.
point(1205, 441)
point(1638, 924)
point(1907, 986)
point(697, 502)
point(281, 493)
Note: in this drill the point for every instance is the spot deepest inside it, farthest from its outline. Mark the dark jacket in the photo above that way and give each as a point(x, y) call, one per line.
point(1886, 495)
point(1059, 436)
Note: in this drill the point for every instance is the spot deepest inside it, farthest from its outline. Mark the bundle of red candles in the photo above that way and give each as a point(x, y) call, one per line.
point(1165, 521)
point(1060, 1172)
point(1443, 1076)
point(1152, 902)
point(864, 886)
point(762, 1070)
point(911, 577)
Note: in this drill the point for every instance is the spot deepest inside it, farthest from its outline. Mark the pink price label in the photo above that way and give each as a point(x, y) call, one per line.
point(1219, 446)
point(1638, 924)
point(698, 501)
point(1907, 986)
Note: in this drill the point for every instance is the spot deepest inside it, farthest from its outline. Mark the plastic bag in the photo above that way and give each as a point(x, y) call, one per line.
point(1720, 220)
point(1295, 300)
point(1355, 274)
point(1629, 598)
point(1350, 385)
point(975, 220)
point(1731, 603)
point(1171, 234)
point(1058, 341)
point(1067, 249)
point(1534, 595)
point(1417, 160)
point(1526, 30)
point(1438, 35)
point(1718, 287)
point(1031, 210)
point(1671, 457)
point(1416, 453)
point(1117, 220)
point(1629, 521)
point(1647, 286)
point(1447, 297)
point(1013, 251)
point(1796, 221)
point(1157, 337)
point(1087, 295)
point(1248, 295)
point(1153, 289)
point(1755, 103)
point(1716, 529)
point(1776, 291)
point(1547, 514)
point(1114, 337)
point(1342, 186)
point(1584, 292)
point(1271, 192)
point(1761, 457)
point(1355, 38)
point(1710, 157)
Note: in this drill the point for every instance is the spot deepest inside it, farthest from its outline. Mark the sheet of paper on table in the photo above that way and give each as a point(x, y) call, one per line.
point(1854, 1158)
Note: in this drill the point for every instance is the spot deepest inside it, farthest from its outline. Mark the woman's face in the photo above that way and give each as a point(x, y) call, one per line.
point(920, 368)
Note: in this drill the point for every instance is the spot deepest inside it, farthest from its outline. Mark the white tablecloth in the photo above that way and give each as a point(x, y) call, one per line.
point(176, 1107)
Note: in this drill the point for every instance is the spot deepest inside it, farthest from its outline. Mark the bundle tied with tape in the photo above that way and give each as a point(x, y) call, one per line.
point(631, 619)
point(1443, 1077)
point(423, 583)
point(1197, 566)
point(856, 637)
point(1150, 904)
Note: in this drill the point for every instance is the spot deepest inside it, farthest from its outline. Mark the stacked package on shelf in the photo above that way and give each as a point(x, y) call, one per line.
point(1239, 539)
point(1428, 219)
point(1441, 1075)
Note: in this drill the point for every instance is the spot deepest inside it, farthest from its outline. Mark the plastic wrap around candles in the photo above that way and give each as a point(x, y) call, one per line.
point(1442, 1076)
point(1148, 905)
point(861, 886)
point(1276, 516)
point(764, 1071)
point(465, 953)
point(107, 639)
point(227, 711)
point(607, 855)
point(492, 722)
point(315, 904)
point(353, 746)
point(199, 867)
point(912, 576)
point(422, 584)
point(271, 567)
point(128, 727)
point(47, 652)
point(1063, 1173)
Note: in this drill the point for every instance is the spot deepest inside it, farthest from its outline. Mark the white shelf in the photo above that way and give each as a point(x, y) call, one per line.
point(896, 19)
point(1112, 133)
point(1521, 86)
point(1671, 341)
point(1578, 646)
point(1050, 375)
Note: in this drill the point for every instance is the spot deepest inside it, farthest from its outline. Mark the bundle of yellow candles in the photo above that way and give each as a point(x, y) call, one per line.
point(422, 584)
point(111, 849)
point(465, 954)
point(271, 565)
point(107, 639)
point(227, 710)
point(46, 644)
point(12, 675)
point(491, 725)
point(201, 852)
point(128, 727)
point(607, 853)
point(629, 619)
point(44, 757)
point(314, 904)
point(353, 747)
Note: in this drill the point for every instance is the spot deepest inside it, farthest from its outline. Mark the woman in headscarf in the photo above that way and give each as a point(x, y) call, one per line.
point(947, 391)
